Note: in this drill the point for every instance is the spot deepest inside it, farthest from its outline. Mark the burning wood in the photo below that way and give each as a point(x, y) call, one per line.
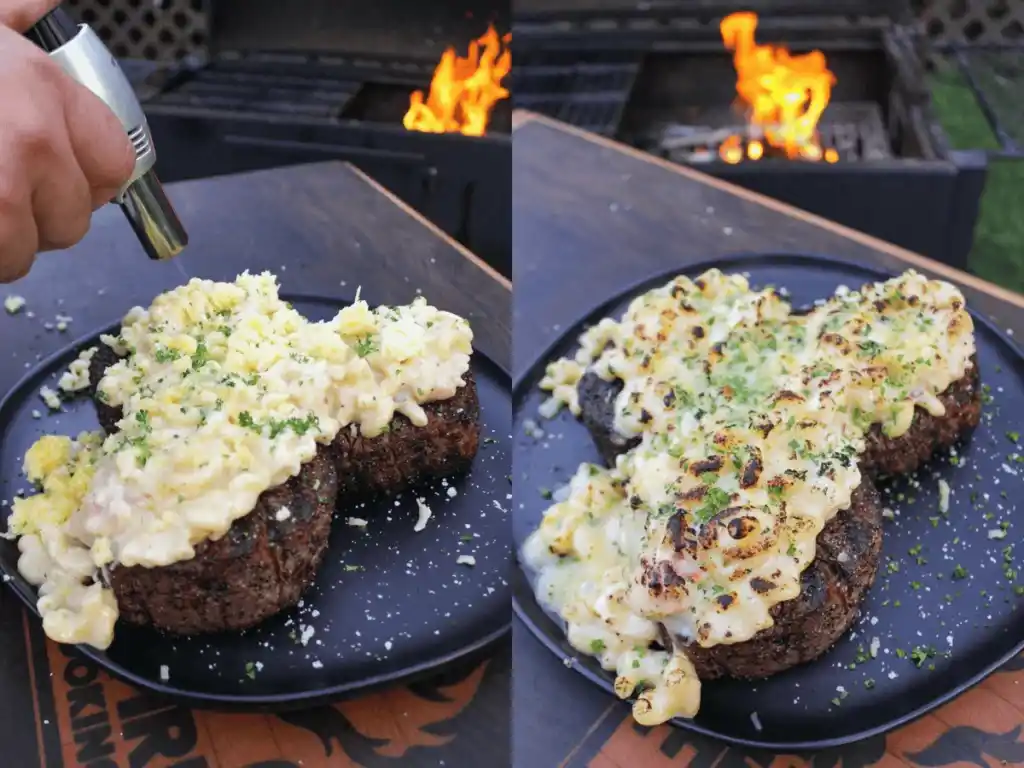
point(463, 90)
point(782, 94)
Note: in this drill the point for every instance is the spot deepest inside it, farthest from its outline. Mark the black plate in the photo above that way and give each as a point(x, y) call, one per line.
point(985, 618)
point(410, 609)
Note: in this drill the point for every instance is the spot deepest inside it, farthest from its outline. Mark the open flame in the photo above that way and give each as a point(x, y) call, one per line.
point(783, 95)
point(463, 90)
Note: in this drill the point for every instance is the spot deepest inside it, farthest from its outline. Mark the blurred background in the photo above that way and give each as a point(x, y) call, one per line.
point(925, 117)
point(921, 137)
point(237, 85)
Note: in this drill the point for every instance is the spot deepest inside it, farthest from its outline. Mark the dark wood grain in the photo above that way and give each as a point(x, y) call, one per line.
point(590, 217)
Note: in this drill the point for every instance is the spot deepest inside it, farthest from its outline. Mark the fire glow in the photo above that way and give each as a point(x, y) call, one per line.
point(782, 94)
point(464, 89)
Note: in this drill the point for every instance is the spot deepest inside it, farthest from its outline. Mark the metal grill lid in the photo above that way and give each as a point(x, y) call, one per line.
point(591, 10)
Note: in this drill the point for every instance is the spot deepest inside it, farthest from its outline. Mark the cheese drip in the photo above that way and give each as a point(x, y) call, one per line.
point(750, 421)
point(226, 391)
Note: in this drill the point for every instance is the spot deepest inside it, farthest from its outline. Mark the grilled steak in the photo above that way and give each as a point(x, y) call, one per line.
point(883, 455)
point(262, 564)
point(833, 586)
point(407, 454)
point(848, 548)
point(597, 411)
point(927, 433)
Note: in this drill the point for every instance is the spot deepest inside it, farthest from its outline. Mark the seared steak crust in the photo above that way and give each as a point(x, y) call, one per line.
point(597, 411)
point(262, 564)
point(407, 454)
point(832, 589)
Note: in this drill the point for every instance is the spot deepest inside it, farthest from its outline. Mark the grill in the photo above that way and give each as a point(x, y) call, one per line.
point(895, 175)
point(244, 111)
point(585, 89)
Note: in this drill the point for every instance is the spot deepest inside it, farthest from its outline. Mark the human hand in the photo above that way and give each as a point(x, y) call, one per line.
point(63, 153)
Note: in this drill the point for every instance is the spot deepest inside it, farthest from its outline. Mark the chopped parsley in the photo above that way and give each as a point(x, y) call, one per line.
point(714, 502)
point(959, 573)
point(597, 646)
point(166, 355)
point(365, 346)
point(200, 357)
point(921, 654)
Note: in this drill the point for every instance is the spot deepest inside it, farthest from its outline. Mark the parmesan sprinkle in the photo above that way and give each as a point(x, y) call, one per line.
point(424, 515)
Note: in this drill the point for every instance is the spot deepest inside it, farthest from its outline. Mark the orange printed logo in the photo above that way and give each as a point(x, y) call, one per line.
point(103, 723)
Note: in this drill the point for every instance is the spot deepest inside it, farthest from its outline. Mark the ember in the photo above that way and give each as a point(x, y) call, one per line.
point(783, 96)
point(464, 90)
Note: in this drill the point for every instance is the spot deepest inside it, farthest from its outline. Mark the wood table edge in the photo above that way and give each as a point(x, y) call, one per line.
point(902, 254)
point(434, 230)
point(521, 117)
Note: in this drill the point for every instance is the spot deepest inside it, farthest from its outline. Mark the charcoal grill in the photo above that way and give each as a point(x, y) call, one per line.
point(335, 86)
point(896, 176)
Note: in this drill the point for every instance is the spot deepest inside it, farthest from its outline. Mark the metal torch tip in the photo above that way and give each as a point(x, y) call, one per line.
point(153, 218)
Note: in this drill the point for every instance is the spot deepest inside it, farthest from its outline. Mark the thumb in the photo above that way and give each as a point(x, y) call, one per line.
point(98, 139)
point(19, 15)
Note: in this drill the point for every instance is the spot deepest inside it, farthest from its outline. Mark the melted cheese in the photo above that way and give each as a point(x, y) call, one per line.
point(226, 391)
point(750, 422)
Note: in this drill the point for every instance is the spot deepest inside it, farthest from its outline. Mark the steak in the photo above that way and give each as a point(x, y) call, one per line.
point(406, 454)
point(883, 455)
point(848, 548)
point(263, 564)
point(832, 589)
point(927, 434)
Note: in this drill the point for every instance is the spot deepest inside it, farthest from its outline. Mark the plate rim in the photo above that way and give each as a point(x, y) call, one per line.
point(520, 582)
point(235, 702)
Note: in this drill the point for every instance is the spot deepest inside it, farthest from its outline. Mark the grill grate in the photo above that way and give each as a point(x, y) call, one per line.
point(165, 30)
point(585, 89)
point(221, 86)
point(855, 130)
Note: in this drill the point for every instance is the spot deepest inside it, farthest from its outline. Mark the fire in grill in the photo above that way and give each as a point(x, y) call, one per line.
point(784, 99)
point(464, 89)
point(827, 108)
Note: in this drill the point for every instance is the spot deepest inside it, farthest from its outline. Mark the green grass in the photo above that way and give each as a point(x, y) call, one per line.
point(998, 251)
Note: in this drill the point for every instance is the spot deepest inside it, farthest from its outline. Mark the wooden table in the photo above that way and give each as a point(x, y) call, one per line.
point(590, 216)
point(324, 229)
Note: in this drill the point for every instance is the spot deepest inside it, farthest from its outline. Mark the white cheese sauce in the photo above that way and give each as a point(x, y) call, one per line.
point(750, 422)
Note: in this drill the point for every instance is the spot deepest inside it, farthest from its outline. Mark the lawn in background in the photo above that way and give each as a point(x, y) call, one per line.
point(998, 250)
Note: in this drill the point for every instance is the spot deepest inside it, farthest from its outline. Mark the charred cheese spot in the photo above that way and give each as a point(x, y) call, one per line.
point(710, 464)
point(751, 470)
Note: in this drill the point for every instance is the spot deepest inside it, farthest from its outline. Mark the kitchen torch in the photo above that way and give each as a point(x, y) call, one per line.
point(82, 55)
